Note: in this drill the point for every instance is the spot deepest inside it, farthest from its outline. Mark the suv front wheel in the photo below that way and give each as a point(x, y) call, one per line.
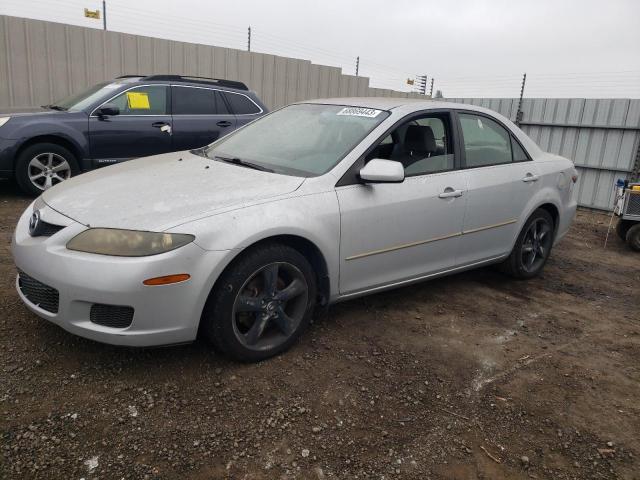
point(43, 165)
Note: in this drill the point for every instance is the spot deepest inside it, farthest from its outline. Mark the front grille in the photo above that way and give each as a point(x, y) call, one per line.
point(633, 204)
point(47, 229)
point(38, 293)
point(111, 315)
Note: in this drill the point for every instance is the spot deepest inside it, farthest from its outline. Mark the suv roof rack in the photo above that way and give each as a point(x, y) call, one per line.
point(131, 76)
point(187, 78)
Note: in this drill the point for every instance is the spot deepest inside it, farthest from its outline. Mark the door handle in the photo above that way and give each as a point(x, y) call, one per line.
point(450, 193)
point(530, 177)
point(223, 123)
point(163, 126)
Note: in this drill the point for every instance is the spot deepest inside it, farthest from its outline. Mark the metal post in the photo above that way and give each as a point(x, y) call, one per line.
point(104, 14)
point(249, 40)
point(519, 113)
point(357, 65)
point(431, 89)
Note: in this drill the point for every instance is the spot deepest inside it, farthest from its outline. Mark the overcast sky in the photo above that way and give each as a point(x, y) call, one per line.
point(471, 47)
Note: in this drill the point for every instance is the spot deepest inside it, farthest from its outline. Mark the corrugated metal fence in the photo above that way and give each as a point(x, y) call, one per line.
point(44, 61)
point(602, 137)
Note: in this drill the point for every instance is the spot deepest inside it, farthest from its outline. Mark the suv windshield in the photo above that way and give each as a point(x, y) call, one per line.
point(88, 97)
point(304, 140)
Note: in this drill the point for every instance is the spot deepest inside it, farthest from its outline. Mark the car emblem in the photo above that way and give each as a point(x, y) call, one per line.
point(34, 224)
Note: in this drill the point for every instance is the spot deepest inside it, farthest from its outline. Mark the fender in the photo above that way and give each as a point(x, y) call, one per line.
point(234, 231)
point(555, 189)
point(26, 128)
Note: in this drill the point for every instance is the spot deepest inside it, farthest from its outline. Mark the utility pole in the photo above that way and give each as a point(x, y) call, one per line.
point(431, 89)
point(249, 40)
point(104, 14)
point(357, 65)
point(519, 113)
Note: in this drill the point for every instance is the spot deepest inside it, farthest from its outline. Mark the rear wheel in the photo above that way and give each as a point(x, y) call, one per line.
point(43, 165)
point(532, 247)
point(261, 304)
point(633, 237)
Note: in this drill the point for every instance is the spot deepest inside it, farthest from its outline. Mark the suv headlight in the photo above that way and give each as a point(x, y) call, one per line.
point(127, 243)
point(4, 120)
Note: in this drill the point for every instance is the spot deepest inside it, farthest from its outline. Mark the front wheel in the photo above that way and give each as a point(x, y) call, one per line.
point(532, 248)
point(261, 304)
point(43, 165)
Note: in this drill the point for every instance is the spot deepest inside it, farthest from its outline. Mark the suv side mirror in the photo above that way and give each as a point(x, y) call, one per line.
point(108, 109)
point(378, 170)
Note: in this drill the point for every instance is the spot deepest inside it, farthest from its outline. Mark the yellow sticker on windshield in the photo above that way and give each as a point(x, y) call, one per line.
point(138, 100)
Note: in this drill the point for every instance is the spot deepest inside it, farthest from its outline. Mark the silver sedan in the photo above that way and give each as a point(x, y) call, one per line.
point(314, 203)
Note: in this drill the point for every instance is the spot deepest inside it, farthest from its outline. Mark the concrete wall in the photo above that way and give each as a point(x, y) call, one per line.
point(602, 137)
point(41, 62)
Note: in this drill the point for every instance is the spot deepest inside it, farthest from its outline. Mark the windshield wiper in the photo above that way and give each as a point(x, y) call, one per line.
point(54, 107)
point(244, 163)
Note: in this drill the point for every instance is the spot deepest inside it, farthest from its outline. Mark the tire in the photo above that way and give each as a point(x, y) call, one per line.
point(622, 228)
point(245, 318)
point(633, 237)
point(519, 264)
point(51, 161)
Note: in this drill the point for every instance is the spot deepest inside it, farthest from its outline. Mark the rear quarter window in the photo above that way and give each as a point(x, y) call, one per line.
point(241, 104)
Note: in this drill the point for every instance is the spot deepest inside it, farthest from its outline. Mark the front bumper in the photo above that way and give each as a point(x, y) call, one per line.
point(162, 314)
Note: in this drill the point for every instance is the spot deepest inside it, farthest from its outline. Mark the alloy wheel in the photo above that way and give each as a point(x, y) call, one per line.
point(270, 306)
point(48, 169)
point(536, 245)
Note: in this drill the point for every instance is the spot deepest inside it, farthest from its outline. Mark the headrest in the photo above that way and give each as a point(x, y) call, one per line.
point(419, 139)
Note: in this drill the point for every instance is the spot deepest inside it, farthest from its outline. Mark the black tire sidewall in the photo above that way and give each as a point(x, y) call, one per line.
point(622, 228)
point(23, 159)
point(217, 319)
point(515, 259)
point(633, 237)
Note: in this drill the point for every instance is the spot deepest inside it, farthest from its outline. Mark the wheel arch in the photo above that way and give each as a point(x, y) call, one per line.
point(303, 245)
point(552, 210)
point(57, 139)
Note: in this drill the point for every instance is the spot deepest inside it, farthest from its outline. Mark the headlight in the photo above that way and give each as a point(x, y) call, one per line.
point(127, 243)
point(4, 120)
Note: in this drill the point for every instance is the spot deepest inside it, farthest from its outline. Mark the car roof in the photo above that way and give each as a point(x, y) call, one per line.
point(186, 80)
point(407, 104)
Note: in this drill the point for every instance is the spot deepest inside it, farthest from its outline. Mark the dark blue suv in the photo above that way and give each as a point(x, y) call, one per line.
point(130, 117)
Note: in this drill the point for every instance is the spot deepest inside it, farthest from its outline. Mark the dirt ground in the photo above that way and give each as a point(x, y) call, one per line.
point(470, 377)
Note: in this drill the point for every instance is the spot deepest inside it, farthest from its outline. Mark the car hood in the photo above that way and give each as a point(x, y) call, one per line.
point(159, 192)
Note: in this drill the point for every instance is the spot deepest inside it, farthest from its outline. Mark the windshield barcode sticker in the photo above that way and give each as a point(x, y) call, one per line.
point(359, 112)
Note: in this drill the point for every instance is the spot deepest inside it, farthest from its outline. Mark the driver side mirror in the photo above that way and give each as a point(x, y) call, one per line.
point(107, 110)
point(378, 170)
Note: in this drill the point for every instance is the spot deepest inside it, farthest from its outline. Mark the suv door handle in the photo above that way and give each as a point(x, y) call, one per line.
point(159, 124)
point(223, 123)
point(450, 193)
point(530, 177)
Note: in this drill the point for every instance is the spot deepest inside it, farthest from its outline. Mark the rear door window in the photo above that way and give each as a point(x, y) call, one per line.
point(197, 101)
point(241, 104)
point(486, 142)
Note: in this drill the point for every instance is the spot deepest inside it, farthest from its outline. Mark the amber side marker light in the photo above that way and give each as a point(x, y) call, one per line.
point(167, 279)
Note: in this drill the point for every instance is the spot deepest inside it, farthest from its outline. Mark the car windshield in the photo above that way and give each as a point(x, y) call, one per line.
point(304, 140)
point(86, 98)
